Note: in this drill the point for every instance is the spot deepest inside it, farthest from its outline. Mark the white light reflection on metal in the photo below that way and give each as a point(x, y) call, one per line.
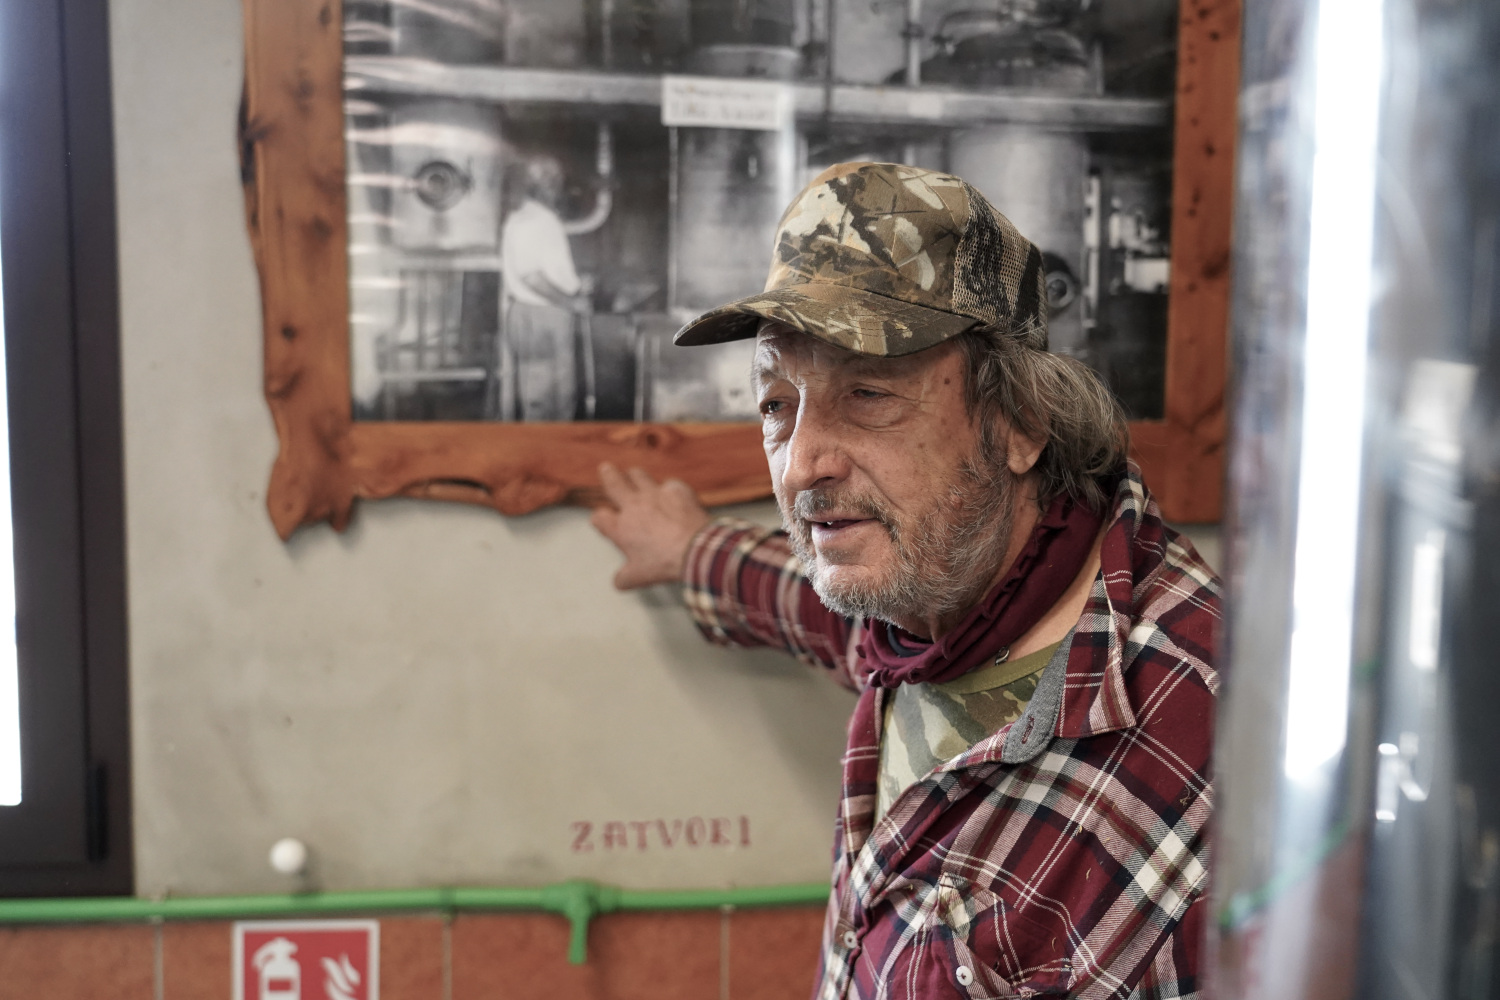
point(1350, 49)
point(10, 694)
point(1426, 600)
point(1388, 786)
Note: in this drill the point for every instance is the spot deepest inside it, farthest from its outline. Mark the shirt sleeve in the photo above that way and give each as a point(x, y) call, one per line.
point(744, 587)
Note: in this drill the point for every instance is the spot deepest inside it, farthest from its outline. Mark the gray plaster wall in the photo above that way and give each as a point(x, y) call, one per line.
point(436, 696)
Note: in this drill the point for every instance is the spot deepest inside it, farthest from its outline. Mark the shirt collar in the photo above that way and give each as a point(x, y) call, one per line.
point(1095, 699)
point(1082, 692)
point(1083, 688)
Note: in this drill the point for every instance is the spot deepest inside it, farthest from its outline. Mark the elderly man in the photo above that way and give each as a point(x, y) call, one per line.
point(1026, 784)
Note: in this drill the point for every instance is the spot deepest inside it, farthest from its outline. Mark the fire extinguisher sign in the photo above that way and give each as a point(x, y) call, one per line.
point(307, 960)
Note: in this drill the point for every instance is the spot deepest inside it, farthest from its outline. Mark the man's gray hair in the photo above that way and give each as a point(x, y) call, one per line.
point(1053, 399)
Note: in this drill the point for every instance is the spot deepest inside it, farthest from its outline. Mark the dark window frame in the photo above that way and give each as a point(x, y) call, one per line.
point(71, 833)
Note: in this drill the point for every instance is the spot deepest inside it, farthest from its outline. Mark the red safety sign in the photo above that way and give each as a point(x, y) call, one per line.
point(307, 960)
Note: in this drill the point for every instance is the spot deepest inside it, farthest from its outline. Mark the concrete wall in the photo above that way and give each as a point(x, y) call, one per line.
point(437, 695)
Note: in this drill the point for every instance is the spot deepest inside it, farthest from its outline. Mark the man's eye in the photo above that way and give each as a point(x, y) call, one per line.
point(868, 394)
point(770, 406)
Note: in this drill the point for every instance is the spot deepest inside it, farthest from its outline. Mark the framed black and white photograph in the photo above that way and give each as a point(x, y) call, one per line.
point(538, 193)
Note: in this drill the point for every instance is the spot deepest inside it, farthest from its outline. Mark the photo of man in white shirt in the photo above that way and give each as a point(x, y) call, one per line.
point(542, 295)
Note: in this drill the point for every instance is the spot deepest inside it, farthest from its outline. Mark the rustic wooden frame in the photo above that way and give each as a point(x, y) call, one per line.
point(292, 156)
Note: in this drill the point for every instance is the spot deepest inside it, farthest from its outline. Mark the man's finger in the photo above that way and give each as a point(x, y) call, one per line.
point(681, 488)
point(641, 479)
point(605, 520)
point(616, 487)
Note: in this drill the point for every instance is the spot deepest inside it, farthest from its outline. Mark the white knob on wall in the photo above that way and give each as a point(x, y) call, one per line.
point(289, 856)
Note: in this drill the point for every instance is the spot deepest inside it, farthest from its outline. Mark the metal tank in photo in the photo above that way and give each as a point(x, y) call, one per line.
point(1357, 847)
point(1038, 178)
point(425, 206)
point(1036, 174)
point(729, 188)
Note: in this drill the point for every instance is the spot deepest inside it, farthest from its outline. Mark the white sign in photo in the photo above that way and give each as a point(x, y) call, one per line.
point(714, 102)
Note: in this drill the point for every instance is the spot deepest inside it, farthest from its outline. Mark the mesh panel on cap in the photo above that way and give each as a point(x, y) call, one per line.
point(1030, 320)
point(980, 285)
point(998, 274)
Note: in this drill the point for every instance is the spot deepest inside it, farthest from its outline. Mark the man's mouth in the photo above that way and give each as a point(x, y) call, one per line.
point(828, 530)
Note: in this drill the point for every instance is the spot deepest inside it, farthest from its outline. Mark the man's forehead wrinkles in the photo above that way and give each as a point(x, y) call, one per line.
point(778, 350)
point(768, 364)
point(878, 367)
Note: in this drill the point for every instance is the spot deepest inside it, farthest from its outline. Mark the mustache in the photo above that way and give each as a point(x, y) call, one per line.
point(810, 505)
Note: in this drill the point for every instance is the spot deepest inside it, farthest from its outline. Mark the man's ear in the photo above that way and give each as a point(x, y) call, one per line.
point(1021, 451)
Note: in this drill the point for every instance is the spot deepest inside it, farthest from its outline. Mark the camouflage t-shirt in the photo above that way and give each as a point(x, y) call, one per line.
point(930, 724)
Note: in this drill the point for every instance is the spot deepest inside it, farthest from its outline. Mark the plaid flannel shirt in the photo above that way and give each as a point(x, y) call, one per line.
point(1064, 855)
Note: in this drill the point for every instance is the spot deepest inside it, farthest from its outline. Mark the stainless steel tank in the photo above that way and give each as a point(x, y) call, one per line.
point(455, 31)
point(545, 32)
point(445, 155)
point(866, 45)
point(424, 188)
point(1357, 846)
point(731, 186)
point(1037, 178)
point(447, 161)
point(728, 190)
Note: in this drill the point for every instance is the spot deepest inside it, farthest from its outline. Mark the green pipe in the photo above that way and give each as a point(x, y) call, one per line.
point(578, 901)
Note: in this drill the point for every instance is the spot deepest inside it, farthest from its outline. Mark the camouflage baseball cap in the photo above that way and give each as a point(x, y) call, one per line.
point(886, 259)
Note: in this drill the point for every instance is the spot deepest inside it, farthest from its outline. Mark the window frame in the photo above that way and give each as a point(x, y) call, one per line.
point(71, 833)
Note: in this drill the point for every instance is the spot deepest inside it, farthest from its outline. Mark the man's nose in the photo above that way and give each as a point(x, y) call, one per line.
point(815, 457)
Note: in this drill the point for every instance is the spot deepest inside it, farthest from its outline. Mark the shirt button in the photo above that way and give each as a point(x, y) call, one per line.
point(851, 940)
point(964, 975)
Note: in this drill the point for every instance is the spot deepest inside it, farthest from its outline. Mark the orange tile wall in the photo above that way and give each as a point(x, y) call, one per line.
point(767, 954)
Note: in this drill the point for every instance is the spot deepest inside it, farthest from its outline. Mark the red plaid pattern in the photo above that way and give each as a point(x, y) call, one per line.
point(1068, 861)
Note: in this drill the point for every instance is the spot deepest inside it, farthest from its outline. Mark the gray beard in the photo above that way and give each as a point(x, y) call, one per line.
point(945, 559)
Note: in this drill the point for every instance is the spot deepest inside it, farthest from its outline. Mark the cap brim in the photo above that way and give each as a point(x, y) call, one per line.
point(851, 318)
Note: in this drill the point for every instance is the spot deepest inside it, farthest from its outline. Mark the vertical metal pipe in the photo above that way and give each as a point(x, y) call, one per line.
point(1358, 835)
point(607, 33)
point(604, 197)
point(674, 222)
point(913, 35)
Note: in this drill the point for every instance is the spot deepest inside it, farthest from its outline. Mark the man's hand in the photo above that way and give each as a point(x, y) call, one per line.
point(651, 523)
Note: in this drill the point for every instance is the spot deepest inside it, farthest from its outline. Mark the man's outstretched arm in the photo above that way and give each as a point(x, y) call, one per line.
point(741, 583)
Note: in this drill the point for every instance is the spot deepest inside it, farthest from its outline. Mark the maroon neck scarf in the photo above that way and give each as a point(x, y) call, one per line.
point(1036, 581)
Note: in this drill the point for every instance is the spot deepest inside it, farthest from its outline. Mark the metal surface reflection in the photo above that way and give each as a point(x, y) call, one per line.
point(1358, 849)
